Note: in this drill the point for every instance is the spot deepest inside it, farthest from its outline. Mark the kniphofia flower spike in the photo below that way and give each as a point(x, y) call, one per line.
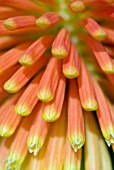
point(56, 84)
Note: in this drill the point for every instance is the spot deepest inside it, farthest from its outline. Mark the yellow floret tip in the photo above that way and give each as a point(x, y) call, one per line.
point(11, 86)
point(90, 105)
point(22, 109)
point(9, 24)
point(45, 95)
point(70, 72)
point(43, 22)
point(26, 60)
point(59, 53)
point(50, 114)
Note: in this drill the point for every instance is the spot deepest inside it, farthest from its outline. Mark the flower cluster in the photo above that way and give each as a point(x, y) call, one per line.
point(56, 84)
